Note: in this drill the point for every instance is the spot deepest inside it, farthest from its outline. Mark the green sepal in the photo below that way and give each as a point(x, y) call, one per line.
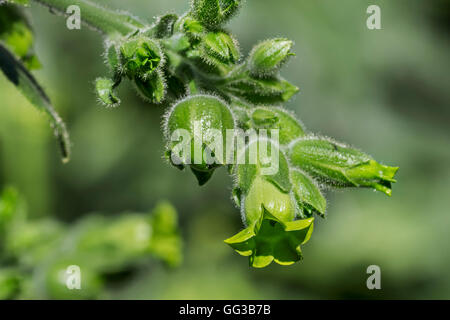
point(278, 118)
point(25, 82)
point(151, 88)
point(203, 176)
point(308, 195)
point(247, 173)
point(272, 240)
point(104, 88)
point(338, 165)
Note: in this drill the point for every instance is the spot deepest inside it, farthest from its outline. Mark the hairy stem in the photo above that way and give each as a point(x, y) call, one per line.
point(102, 19)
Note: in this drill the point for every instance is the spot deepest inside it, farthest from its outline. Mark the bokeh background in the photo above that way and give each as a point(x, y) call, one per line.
point(385, 91)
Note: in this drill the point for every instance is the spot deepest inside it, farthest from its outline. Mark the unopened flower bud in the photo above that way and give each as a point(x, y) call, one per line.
point(212, 13)
point(200, 122)
point(140, 57)
point(267, 57)
point(222, 46)
point(338, 165)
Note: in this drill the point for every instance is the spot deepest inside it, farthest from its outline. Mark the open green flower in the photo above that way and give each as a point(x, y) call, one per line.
point(272, 233)
point(268, 208)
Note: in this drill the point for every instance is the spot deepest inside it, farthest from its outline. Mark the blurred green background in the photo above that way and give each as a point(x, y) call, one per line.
point(385, 91)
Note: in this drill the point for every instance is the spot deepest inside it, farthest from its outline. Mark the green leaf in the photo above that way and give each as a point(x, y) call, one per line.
point(27, 84)
point(338, 165)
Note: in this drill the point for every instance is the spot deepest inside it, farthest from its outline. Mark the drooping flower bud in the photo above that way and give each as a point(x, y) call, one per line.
point(266, 58)
point(278, 118)
point(196, 132)
point(212, 13)
point(268, 209)
point(141, 57)
point(338, 165)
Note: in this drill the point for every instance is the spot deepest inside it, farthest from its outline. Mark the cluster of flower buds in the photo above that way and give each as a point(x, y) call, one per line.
point(193, 64)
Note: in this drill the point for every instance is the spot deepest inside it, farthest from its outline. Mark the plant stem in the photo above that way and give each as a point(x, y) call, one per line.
point(101, 19)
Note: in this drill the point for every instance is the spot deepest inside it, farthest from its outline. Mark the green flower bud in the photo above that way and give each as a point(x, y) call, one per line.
point(204, 119)
point(212, 13)
point(190, 26)
point(338, 165)
point(105, 92)
point(153, 88)
point(164, 26)
point(267, 57)
point(222, 46)
point(141, 57)
point(308, 195)
point(268, 209)
point(273, 90)
point(278, 118)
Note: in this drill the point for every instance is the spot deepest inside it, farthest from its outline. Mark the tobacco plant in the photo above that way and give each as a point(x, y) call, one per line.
point(192, 65)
